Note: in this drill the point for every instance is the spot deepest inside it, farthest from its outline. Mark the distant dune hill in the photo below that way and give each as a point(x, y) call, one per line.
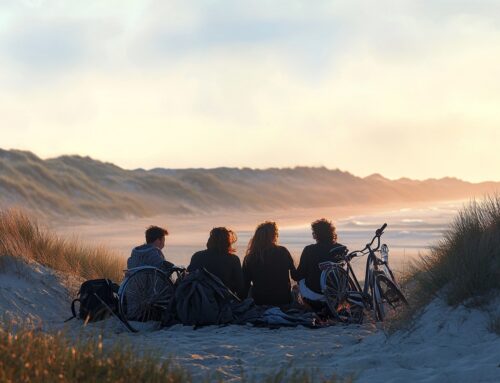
point(81, 186)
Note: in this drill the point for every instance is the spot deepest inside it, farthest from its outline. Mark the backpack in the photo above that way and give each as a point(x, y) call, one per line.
point(98, 300)
point(203, 299)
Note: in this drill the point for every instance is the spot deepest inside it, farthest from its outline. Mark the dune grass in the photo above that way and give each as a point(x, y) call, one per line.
point(465, 265)
point(21, 236)
point(31, 356)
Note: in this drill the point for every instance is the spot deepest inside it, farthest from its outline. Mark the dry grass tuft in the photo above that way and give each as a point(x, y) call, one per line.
point(465, 265)
point(21, 236)
point(31, 356)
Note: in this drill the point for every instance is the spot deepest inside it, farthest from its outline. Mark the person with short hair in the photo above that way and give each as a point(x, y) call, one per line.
point(267, 267)
point(308, 272)
point(220, 259)
point(150, 253)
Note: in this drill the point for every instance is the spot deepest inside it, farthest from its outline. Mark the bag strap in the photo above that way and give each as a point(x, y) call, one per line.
point(73, 311)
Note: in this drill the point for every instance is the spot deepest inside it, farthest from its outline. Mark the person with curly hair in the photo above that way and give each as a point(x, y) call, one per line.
point(325, 249)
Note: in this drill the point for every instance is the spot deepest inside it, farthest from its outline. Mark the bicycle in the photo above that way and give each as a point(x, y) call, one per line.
point(146, 295)
point(343, 293)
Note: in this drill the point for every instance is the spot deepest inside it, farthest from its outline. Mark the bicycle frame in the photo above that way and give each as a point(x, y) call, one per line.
point(372, 265)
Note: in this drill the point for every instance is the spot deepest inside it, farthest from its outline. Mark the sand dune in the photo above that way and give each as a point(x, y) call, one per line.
point(444, 344)
point(82, 187)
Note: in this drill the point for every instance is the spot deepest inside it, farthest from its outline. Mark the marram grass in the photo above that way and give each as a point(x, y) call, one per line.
point(28, 355)
point(21, 236)
point(465, 265)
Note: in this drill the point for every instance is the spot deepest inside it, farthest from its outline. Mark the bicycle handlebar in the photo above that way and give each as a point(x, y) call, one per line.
point(378, 234)
point(380, 231)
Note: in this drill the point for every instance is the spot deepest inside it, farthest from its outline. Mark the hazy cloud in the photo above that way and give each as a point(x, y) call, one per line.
point(272, 83)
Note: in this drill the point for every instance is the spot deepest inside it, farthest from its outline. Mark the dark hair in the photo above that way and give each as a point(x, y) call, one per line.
point(324, 231)
point(264, 238)
point(155, 232)
point(221, 240)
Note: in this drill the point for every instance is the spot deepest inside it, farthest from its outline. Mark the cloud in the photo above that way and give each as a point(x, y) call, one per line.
point(272, 84)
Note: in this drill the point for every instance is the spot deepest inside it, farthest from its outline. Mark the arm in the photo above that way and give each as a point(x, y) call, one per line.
point(247, 278)
point(302, 269)
point(291, 265)
point(194, 264)
point(238, 282)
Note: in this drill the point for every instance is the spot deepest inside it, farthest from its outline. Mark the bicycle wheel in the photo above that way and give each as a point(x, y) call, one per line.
point(387, 298)
point(344, 303)
point(145, 296)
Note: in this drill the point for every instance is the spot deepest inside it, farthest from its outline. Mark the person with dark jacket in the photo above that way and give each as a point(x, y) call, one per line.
point(267, 267)
point(325, 249)
point(150, 253)
point(220, 260)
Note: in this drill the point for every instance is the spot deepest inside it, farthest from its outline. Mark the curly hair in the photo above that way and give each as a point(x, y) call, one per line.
point(221, 240)
point(324, 231)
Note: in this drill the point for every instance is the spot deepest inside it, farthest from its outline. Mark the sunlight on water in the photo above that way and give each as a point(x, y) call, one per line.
point(410, 231)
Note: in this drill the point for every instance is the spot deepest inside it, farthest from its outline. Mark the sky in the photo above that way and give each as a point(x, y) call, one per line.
point(401, 88)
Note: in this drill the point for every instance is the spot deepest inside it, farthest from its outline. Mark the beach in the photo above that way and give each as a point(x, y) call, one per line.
point(444, 344)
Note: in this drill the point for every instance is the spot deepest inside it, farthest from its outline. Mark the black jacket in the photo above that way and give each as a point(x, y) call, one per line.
point(311, 257)
point(225, 266)
point(270, 276)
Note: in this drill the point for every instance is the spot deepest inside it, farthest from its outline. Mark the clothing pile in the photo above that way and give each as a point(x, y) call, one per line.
point(201, 298)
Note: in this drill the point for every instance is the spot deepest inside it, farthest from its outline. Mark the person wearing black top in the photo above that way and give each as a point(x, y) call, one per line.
point(308, 272)
point(267, 267)
point(220, 260)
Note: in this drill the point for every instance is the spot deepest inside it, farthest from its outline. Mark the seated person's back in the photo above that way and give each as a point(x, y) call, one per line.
point(310, 259)
point(150, 253)
point(308, 271)
point(267, 267)
point(219, 259)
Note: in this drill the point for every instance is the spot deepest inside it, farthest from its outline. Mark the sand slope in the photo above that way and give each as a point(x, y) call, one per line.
point(34, 293)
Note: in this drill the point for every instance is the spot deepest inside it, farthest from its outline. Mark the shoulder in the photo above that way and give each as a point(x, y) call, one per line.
point(198, 256)
point(234, 259)
point(337, 248)
point(282, 250)
point(310, 248)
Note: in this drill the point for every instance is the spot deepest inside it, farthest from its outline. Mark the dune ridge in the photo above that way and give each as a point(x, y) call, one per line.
point(84, 187)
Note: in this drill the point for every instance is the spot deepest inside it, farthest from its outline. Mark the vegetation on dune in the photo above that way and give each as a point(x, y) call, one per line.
point(21, 236)
point(83, 187)
point(32, 356)
point(465, 265)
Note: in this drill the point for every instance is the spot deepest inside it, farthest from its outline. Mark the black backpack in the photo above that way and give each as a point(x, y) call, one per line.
point(98, 300)
point(203, 299)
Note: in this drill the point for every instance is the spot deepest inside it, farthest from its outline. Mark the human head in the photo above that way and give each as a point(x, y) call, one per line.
point(265, 236)
point(323, 231)
point(221, 240)
point(155, 235)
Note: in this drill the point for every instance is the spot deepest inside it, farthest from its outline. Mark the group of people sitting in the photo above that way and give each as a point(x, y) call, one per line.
point(267, 268)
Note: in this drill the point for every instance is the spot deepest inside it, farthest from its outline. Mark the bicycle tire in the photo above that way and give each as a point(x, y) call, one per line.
point(338, 291)
point(387, 298)
point(144, 296)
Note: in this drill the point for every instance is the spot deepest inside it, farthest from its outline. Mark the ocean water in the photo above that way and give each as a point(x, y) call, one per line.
point(409, 234)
